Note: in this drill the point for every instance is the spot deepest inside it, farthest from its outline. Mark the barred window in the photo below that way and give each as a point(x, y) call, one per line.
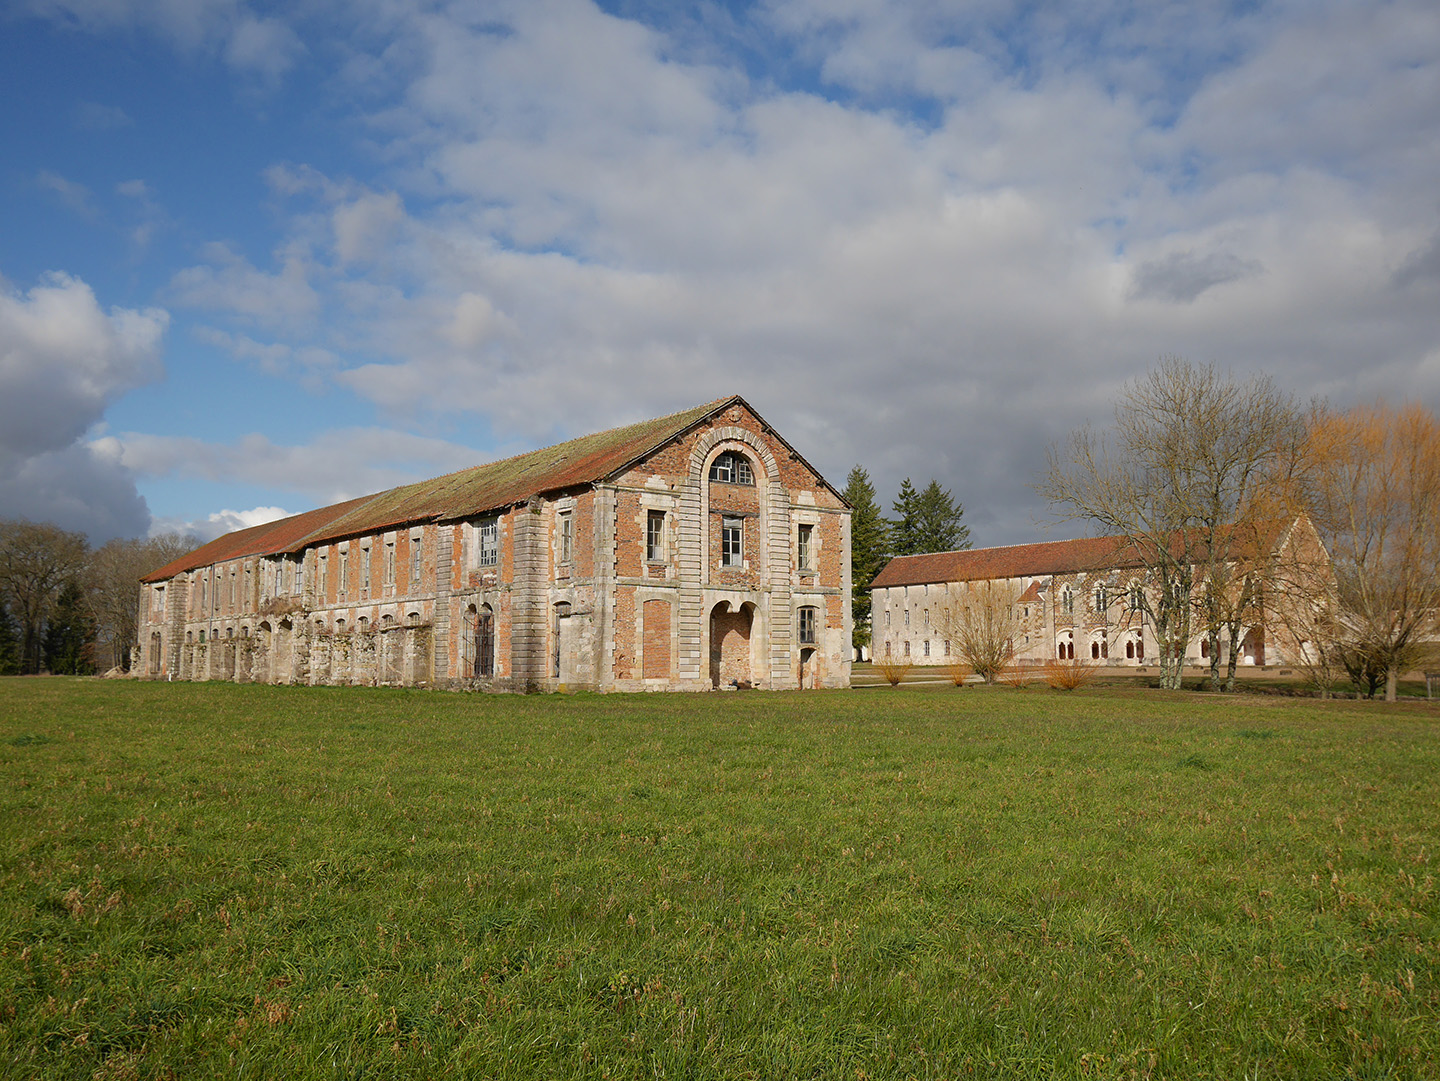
point(489, 542)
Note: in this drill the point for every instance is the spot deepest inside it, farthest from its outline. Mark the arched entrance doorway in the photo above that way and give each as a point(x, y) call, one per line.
point(730, 645)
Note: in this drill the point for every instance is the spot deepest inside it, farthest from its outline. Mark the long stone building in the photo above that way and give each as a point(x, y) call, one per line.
point(1073, 599)
point(690, 552)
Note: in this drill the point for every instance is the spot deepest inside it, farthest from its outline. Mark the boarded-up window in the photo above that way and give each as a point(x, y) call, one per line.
point(657, 639)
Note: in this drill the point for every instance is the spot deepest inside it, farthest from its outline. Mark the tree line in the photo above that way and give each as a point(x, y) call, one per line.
point(928, 520)
point(68, 608)
point(1249, 508)
point(1242, 507)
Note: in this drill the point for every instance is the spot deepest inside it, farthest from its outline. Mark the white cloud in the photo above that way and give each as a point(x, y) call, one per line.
point(217, 524)
point(262, 46)
point(340, 464)
point(63, 361)
point(267, 47)
point(980, 222)
point(73, 194)
point(229, 282)
point(97, 117)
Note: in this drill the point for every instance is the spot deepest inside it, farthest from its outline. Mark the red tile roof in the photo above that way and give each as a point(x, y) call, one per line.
point(481, 488)
point(1046, 558)
point(1013, 561)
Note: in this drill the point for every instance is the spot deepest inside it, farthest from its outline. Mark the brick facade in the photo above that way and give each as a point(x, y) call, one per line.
point(600, 563)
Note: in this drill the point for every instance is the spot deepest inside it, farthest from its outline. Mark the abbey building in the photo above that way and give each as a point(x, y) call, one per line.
point(695, 551)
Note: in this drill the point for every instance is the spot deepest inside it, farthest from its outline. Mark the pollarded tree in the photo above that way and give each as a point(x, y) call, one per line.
point(868, 542)
point(981, 622)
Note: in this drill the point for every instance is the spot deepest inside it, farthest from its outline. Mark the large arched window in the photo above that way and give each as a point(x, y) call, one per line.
point(732, 468)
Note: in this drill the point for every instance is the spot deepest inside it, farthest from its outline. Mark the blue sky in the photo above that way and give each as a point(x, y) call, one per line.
point(259, 257)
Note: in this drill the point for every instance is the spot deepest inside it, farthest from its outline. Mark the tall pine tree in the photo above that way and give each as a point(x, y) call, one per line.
point(937, 521)
point(868, 543)
point(903, 526)
point(70, 634)
point(927, 521)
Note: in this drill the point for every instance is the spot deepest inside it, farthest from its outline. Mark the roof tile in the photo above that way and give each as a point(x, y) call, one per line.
point(476, 490)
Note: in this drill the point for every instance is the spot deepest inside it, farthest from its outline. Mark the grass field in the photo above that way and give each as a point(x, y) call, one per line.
point(240, 881)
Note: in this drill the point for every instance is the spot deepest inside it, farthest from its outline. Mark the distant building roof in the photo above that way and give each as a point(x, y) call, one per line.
point(1012, 561)
point(1055, 557)
point(481, 488)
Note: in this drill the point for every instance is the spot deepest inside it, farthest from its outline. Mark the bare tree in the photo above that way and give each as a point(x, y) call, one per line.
point(1303, 608)
point(980, 620)
point(1185, 476)
point(113, 588)
point(1374, 492)
point(37, 560)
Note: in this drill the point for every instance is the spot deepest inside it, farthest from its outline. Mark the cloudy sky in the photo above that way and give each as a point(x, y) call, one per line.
point(258, 257)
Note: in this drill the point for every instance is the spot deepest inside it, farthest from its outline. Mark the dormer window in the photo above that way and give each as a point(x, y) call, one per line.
point(731, 468)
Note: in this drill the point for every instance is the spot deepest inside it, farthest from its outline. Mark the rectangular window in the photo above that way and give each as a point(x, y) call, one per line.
point(490, 542)
point(1100, 600)
point(947, 647)
point(803, 547)
point(732, 542)
point(390, 563)
point(567, 536)
point(807, 626)
point(1137, 603)
point(417, 549)
point(300, 574)
point(365, 566)
point(907, 647)
point(324, 573)
point(344, 572)
point(655, 535)
point(927, 647)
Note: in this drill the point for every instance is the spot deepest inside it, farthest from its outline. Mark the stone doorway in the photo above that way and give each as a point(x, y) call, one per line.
point(730, 646)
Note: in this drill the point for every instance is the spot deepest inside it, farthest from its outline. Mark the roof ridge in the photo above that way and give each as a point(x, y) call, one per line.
point(481, 488)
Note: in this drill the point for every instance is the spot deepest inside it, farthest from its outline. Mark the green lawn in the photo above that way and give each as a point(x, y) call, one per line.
point(215, 880)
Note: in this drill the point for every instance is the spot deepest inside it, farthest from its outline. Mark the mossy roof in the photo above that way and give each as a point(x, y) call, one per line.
point(477, 490)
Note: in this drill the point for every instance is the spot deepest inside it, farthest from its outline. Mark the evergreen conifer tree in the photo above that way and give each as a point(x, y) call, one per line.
point(70, 634)
point(903, 527)
point(937, 521)
point(868, 542)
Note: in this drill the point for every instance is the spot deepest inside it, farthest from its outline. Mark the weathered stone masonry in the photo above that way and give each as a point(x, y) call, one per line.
point(695, 551)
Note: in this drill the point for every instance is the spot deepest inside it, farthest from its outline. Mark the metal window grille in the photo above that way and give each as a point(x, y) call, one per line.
point(489, 542)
